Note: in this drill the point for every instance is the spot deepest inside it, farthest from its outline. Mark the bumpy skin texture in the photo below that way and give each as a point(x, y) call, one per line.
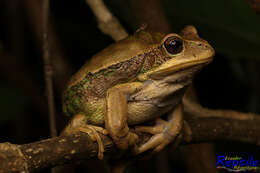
point(87, 89)
point(134, 81)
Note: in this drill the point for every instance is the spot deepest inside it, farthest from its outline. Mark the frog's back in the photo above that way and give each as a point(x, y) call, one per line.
point(118, 63)
point(120, 51)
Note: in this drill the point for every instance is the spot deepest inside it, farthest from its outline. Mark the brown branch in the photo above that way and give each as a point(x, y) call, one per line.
point(48, 69)
point(107, 23)
point(194, 109)
point(65, 149)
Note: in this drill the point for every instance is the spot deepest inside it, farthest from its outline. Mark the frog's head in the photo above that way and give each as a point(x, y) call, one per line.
point(180, 52)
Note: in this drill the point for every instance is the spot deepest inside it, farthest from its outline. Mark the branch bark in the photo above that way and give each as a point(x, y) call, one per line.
point(66, 149)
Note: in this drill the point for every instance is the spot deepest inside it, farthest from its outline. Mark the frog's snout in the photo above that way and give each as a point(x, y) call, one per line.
point(207, 49)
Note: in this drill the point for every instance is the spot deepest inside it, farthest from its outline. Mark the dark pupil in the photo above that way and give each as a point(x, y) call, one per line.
point(173, 45)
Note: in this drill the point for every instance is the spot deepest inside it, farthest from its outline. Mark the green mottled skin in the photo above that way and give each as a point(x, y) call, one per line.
point(86, 91)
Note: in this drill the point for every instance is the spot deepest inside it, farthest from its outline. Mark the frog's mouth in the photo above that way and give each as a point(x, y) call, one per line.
point(181, 66)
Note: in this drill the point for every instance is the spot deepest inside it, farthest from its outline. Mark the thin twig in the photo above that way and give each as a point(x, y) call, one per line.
point(107, 23)
point(62, 70)
point(48, 69)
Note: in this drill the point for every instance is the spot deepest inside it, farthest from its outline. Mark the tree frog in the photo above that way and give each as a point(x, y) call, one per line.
point(136, 80)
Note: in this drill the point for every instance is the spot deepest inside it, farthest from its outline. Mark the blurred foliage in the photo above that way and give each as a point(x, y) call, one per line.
point(232, 27)
point(1, 47)
point(13, 102)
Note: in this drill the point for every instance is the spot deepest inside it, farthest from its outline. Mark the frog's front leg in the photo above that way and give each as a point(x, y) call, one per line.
point(116, 114)
point(163, 132)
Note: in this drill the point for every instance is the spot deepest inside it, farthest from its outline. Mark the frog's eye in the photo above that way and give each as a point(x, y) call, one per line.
point(173, 45)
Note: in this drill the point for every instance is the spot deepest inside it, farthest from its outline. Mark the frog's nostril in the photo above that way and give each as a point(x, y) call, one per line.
point(201, 45)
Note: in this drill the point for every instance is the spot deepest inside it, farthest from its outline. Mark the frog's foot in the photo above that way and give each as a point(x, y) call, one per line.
point(163, 133)
point(126, 142)
point(92, 131)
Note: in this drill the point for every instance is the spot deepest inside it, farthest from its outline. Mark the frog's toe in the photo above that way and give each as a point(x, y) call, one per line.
point(163, 134)
point(158, 128)
point(92, 131)
point(151, 130)
point(100, 130)
point(156, 143)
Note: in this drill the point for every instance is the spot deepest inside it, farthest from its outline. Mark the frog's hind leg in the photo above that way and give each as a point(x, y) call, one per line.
point(79, 123)
point(163, 132)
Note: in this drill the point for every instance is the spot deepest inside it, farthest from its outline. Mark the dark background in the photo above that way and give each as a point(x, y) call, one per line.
point(231, 81)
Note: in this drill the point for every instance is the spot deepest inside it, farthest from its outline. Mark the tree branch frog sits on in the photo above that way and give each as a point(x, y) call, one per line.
point(133, 81)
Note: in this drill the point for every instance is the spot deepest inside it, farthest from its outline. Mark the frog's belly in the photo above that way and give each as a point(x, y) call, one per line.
point(140, 112)
point(141, 109)
point(154, 100)
point(137, 112)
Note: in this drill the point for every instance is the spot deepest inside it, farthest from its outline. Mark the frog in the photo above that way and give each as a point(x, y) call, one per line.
point(139, 79)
